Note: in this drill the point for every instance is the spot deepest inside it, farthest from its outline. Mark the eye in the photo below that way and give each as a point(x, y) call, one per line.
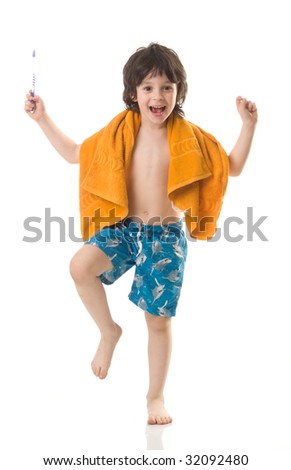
point(147, 88)
point(168, 88)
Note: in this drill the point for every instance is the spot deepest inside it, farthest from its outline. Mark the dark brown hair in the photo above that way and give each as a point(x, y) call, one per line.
point(156, 60)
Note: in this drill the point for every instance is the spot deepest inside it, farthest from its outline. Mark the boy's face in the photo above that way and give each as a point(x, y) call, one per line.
point(156, 98)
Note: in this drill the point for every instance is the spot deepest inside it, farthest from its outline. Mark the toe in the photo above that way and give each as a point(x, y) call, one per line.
point(99, 372)
point(102, 373)
point(164, 420)
point(151, 420)
point(96, 370)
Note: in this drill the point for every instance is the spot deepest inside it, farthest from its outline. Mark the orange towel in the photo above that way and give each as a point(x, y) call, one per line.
point(197, 179)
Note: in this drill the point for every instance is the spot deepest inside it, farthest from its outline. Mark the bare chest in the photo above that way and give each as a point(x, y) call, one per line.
point(147, 179)
point(149, 161)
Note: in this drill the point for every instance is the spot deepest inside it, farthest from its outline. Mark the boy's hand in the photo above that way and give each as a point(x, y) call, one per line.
point(247, 110)
point(34, 107)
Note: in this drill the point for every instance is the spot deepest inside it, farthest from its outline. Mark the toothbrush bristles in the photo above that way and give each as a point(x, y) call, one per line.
point(33, 76)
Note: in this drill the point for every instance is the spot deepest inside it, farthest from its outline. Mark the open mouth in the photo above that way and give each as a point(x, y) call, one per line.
point(157, 109)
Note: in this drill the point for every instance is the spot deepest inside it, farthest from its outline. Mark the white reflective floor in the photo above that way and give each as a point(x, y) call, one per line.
point(51, 407)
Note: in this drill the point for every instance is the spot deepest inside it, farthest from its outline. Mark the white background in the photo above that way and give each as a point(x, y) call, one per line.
point(229, 382)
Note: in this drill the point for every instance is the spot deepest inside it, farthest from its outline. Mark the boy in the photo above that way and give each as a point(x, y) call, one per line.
point(137, 176)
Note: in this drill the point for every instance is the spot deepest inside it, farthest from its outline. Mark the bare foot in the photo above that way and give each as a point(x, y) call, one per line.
point(157, 412)
point(103, 356)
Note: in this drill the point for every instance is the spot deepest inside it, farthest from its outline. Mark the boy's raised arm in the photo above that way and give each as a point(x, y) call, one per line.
point(239, 154)
point(66, 147)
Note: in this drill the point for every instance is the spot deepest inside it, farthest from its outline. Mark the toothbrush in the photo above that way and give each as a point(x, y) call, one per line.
point(33, 78)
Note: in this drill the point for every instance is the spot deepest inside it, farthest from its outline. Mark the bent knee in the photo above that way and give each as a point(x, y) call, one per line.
point(80, 270)
point(87, 263)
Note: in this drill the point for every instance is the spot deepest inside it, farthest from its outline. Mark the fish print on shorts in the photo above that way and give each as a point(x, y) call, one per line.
point(174, 275)
point(160, 265)
point(158, 256)
point(164, 312)
point(158, 291)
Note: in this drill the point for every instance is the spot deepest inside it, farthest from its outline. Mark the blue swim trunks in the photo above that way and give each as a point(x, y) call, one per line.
point(158, 253)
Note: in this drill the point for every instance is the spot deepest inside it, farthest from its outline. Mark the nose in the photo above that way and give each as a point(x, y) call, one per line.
point(158, 95)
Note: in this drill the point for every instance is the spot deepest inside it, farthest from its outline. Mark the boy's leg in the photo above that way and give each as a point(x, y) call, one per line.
point(88, 263)
point(159, 353)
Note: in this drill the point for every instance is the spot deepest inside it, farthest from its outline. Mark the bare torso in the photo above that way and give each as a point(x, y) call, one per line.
point(147, 179)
